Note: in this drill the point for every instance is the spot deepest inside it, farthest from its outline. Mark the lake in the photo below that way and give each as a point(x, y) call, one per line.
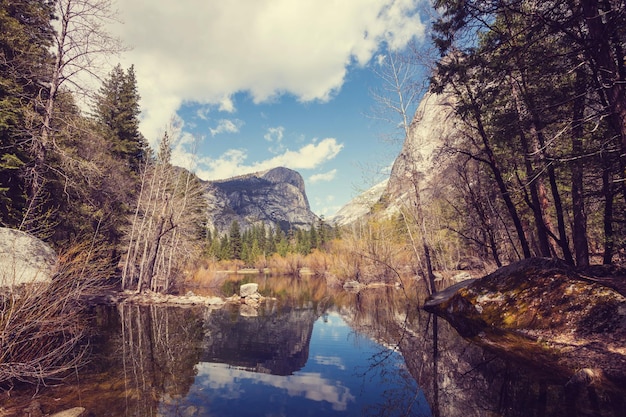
point(309, 352)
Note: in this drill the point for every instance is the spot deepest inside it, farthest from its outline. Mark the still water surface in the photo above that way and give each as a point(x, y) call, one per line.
point(309, 352)
point(326, 369)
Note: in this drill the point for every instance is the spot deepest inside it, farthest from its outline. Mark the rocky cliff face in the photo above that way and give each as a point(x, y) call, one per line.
point(276, 197)
point(359, 206)
point(422, 160)
point(422, 163)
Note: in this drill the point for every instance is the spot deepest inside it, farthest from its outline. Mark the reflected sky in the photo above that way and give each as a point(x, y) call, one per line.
point(233, 384)
point(338, 379)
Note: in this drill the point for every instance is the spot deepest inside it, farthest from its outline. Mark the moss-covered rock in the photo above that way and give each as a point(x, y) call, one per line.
point(543, 311)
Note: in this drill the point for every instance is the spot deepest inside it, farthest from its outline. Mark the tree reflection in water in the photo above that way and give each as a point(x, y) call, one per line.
point(159, 349)
point(462, 379)
point(154, 361)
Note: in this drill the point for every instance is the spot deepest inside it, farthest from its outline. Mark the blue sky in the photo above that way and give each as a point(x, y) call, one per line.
point(246, 85)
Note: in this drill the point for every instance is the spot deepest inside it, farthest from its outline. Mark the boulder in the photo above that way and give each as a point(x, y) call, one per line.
point(24, 258)
point(542, 311)
point(247, 290)
point(72, 412)
point(352, 286)
point(246, 310)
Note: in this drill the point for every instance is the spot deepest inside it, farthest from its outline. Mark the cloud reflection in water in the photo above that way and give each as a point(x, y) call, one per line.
point(310, 385)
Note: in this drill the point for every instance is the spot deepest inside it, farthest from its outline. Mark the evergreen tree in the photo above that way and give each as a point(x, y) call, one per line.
point(323, 233)
point(225, 251)
point(302, 242)
point(117, 110)
point(270, 245)
point(281, 242)
point(255, 252)
point(246, 253)
point(214, 250)
point(313, 237)
point(25, 38)
point(536, 87)
point(236, 244)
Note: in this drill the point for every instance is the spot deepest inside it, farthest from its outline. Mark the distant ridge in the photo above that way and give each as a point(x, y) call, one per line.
point(359, 206)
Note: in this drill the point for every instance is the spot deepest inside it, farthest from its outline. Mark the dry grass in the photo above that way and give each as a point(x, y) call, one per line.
point(206, 275)
point(42, 326)
point(289, 264)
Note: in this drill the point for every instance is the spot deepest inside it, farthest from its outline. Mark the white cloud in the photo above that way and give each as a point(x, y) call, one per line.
point(308, 157)
point(203, 112)
point(274, 134)
point(326, 176)
point(226, 126)
point(229, 164)
point(227, 105)
point(206, 51)
point(326, 206)
point(233, 162)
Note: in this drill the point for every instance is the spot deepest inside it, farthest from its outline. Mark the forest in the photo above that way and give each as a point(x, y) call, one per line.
point(539, 87)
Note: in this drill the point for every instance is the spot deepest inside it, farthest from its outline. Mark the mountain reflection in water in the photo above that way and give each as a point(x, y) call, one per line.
point(276, 344)
point(286, 361)
point(311, 352)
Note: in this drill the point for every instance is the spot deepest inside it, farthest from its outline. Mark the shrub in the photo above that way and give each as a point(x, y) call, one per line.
point(43, 326)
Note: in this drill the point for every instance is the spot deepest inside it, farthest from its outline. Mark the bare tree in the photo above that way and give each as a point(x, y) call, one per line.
point(398, 98)
point(43, 325)
point(166, 226)
point(81, 46)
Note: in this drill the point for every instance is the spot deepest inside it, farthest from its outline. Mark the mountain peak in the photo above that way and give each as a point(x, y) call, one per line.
point(275, 197)
point(286, 175)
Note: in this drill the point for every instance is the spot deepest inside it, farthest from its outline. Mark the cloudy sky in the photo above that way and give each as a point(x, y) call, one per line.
point(247, 85)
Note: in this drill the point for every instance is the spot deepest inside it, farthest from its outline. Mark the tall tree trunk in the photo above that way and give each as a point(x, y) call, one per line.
point(536, 131)
point(604, 50)
point(534, 183)
point(607, 192)
point(537, 135)
point(495, 169)
point(421, 221)
point(487, 228)
point(608, 56)
point(579, 233)
point(129, 261)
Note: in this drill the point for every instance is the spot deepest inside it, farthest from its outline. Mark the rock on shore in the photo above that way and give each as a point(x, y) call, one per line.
point(24, 258)
point(547, 313)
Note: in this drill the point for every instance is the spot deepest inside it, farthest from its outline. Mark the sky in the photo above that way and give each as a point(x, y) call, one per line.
point(248, 85)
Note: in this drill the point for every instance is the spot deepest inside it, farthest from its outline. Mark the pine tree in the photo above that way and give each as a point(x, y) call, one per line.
point(543, 89)
point(25, 38)
point(270, 245)
point(117, 110)
point(313, 237)
point(225, 252)
point(236, 244)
